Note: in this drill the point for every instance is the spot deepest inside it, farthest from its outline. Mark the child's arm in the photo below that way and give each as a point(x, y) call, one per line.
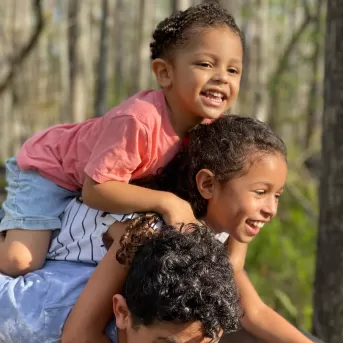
point(259, 319)
point(120, 197)
point(22, 251)
point(92, 311)
point(262, 321)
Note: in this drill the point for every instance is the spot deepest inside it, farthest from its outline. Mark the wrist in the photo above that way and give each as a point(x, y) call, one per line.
point(163, 202)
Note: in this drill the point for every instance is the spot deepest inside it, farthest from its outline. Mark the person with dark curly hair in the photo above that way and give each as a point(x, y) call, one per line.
point(197, 58)
point(180, 288)
point(233, 180)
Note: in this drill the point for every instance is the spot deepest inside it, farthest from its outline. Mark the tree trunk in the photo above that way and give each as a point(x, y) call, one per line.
point(118, 29)
point(64, 67)
point(314, 92)
point(328, 298)
point(136, 63)
point(100, 100)
point(180, 5)
point(77, 52)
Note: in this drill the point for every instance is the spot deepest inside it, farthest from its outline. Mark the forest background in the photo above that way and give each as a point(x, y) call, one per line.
point(69, 60)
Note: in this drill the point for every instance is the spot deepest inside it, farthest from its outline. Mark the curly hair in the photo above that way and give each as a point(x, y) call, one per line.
point(175, 31)
point(227, 147)
point(137, 233)
point(183, 277)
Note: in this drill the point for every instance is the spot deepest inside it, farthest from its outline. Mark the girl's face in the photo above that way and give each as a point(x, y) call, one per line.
point(206, 74)
point(244, 204)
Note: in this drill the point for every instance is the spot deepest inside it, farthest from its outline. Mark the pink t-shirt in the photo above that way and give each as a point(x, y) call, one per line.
point(132, 140)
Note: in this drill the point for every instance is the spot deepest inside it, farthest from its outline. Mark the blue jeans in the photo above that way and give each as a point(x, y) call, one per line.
point(33, 202)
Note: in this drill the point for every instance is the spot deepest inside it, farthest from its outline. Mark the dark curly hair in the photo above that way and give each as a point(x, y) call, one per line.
point(183, 277)
point(227, 147)
point(175, 31)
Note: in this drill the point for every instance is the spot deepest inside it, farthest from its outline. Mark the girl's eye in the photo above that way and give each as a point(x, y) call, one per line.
point(204, 64)
point(277, 196)
point(260, 192)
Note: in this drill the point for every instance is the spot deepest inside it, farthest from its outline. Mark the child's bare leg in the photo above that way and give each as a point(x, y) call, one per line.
point(22, 251)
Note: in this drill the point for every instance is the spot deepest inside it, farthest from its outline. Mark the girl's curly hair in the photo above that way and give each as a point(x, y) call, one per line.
point(227, 147)
point(138, 232)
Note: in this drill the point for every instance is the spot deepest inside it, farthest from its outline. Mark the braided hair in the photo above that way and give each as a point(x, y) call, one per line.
point(175, 31)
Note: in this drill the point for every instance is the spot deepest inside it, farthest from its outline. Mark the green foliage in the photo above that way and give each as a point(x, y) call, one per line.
point(2, 182)
point(281, 259)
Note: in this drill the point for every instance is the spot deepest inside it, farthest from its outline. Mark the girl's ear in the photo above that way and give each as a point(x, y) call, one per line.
point(121, 312)
point(163, 72)
point(205, 182)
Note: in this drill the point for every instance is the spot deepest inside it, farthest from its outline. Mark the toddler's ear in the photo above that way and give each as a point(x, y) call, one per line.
point(163, 72)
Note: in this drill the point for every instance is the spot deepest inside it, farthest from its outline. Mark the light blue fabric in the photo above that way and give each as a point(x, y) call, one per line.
point(33, 202)
point(34, 307)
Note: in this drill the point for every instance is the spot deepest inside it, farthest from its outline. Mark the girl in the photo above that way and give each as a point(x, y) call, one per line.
point(197, 58)
point(234, 179)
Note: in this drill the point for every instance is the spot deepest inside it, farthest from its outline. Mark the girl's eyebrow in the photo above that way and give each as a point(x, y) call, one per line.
point(266, 183)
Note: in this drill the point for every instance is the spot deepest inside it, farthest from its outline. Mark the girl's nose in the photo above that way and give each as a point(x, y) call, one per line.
point(270, 206)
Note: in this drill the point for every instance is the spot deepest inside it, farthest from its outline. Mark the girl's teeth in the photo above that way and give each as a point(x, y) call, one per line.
point(256, 223)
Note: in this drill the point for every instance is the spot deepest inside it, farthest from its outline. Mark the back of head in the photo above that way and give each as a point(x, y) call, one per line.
point(176, 31)
point(227, 147)
point(183, 277)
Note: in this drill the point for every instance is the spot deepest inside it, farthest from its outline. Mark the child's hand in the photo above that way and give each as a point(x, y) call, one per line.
point(175, 210)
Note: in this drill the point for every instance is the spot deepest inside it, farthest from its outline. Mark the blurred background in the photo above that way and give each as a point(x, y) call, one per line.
point(69, 60)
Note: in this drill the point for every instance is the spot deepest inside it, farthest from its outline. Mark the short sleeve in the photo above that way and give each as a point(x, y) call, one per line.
point(118, 150)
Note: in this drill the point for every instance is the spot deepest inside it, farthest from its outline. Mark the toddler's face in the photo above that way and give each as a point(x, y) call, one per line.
point(207, 73)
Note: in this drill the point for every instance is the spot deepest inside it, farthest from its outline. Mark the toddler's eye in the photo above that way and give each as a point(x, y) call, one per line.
point(277, 196)
point(232, 71)
point(204, 64)
point(260, 192)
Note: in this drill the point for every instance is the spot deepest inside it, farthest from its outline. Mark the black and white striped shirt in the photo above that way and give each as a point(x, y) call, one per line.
point(81, 236)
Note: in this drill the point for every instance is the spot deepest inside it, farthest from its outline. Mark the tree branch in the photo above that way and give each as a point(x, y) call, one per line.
point(306, 8)
point(282, 65)
point(283, 60)
point(16, 60)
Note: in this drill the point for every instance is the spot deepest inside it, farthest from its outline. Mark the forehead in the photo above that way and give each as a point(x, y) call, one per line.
point(220, 41)
point(177, 333)
point(269, 168)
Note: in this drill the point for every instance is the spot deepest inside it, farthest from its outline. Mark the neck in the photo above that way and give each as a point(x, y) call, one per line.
point(180, 121)
point(121, 336)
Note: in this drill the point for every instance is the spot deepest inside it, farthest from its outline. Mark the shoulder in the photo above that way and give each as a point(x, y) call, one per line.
point(145, 111)
point(147, 107)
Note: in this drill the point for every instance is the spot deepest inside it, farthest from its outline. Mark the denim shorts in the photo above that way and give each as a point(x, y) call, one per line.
point(33, 202)
point(34, 307)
